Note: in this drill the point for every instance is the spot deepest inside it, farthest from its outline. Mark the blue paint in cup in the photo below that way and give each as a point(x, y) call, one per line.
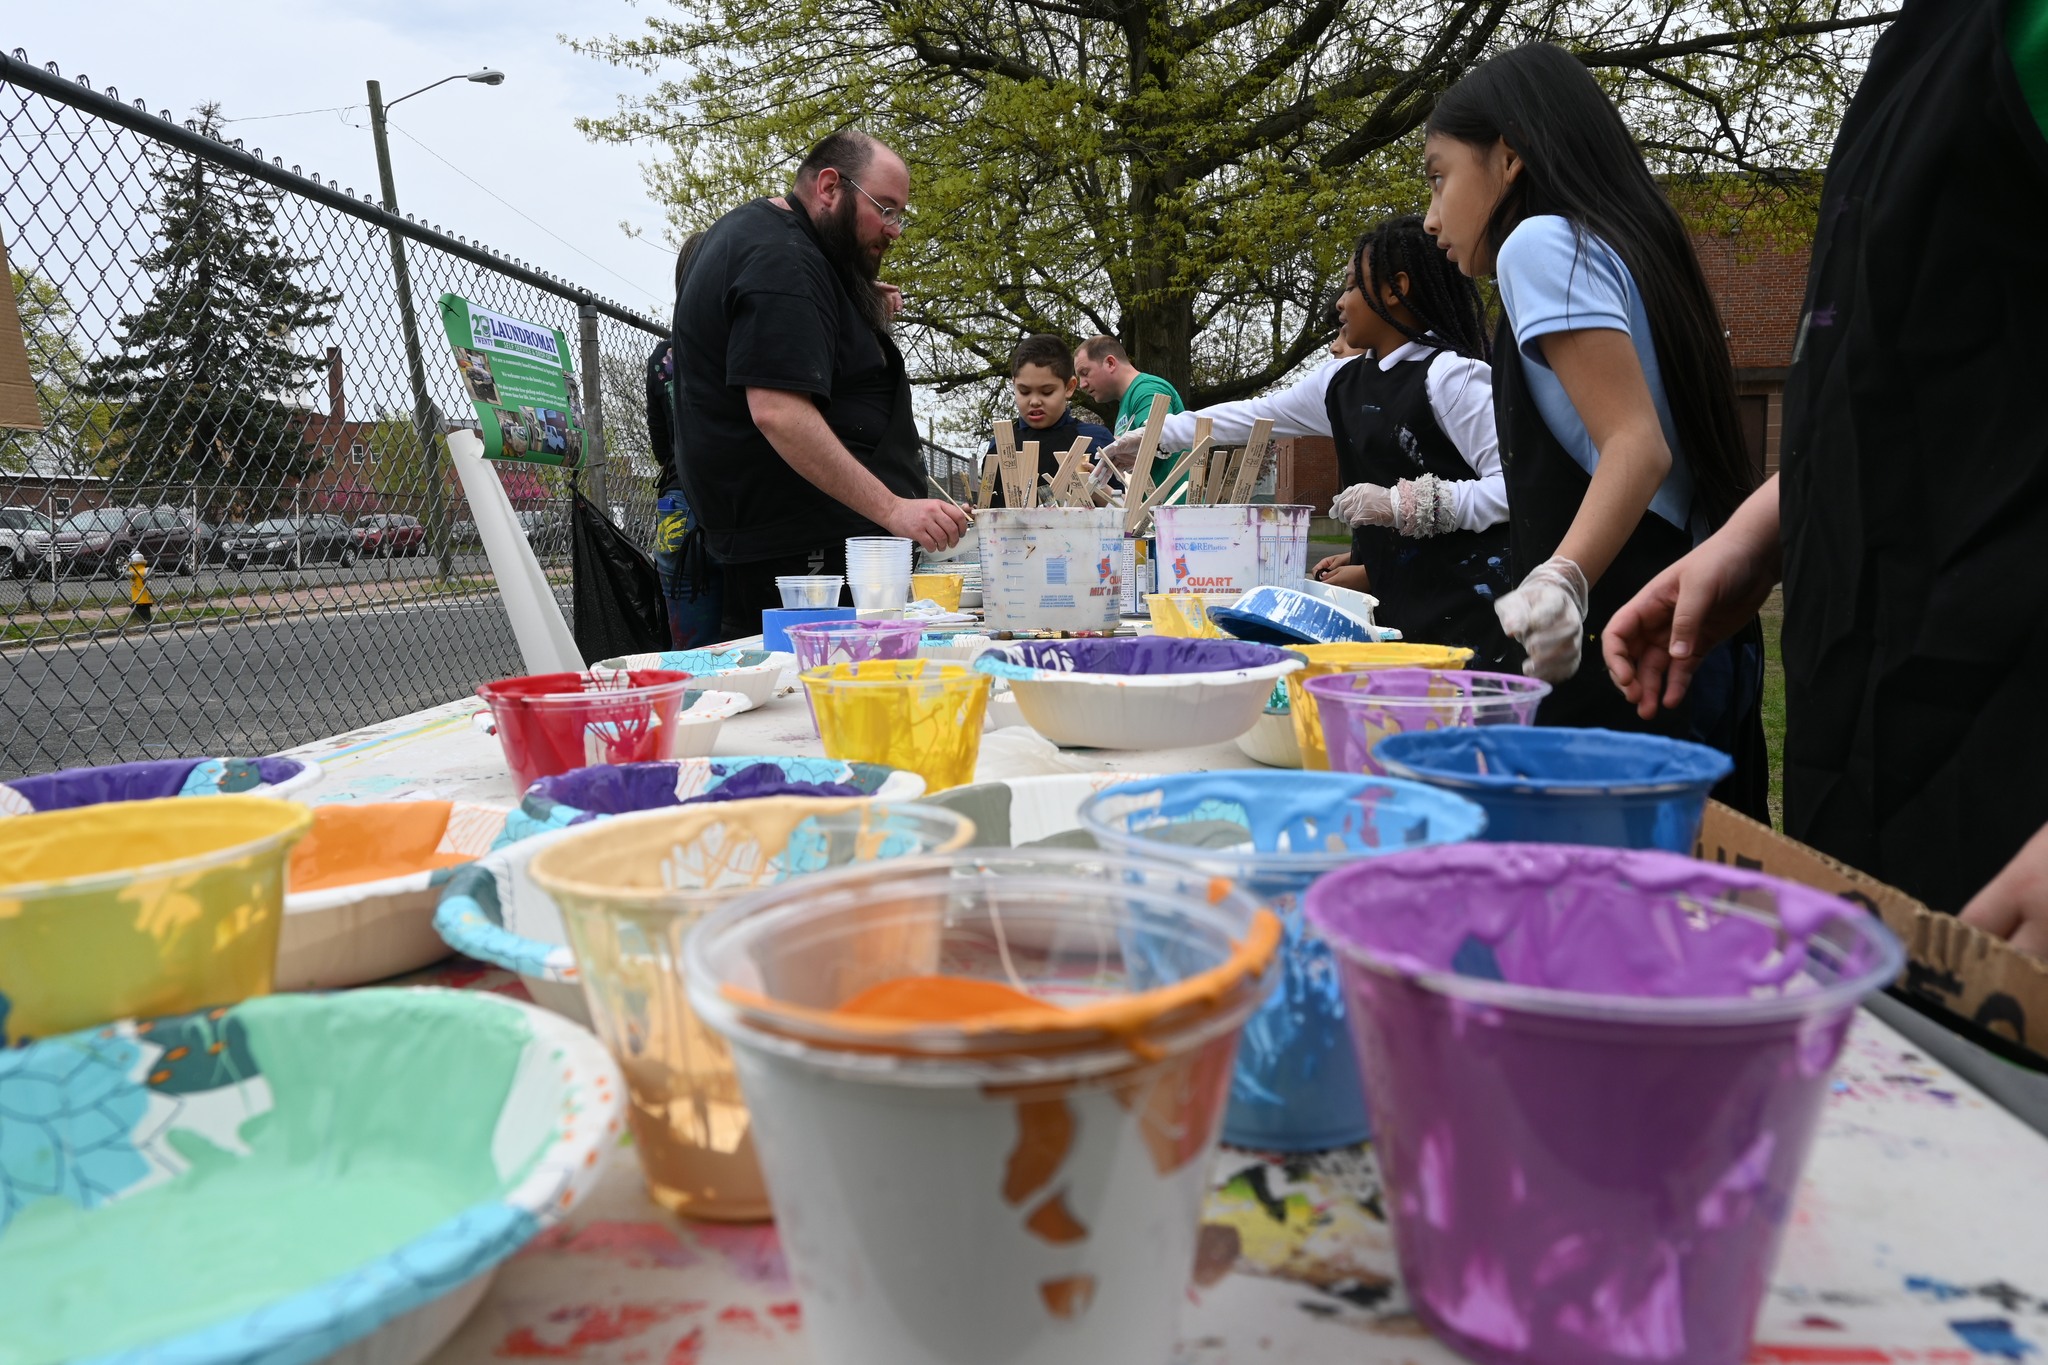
point(1555, 785)
point(1296, 1086)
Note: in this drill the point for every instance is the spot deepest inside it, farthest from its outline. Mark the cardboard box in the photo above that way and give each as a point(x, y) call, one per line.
point(1977, 979)
point(18, 408)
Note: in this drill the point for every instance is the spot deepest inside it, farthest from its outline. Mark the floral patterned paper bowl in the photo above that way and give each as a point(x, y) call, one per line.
point(492, 911)
point(282, 1179)
point(752, 673)
point(154, 779)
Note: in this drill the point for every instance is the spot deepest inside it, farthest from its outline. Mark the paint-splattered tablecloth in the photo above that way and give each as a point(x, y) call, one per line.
point(1920, 1237)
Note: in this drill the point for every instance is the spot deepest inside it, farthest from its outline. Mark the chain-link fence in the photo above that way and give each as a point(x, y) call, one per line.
point(219, 356)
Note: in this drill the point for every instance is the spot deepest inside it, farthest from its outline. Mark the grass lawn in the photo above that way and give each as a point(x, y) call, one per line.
point(1774, 704)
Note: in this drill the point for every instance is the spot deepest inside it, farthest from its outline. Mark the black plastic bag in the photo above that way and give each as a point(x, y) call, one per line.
point(617, 592)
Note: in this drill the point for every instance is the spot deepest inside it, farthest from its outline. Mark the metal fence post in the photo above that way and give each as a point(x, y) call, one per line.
point(594, 461)
point(422, 405)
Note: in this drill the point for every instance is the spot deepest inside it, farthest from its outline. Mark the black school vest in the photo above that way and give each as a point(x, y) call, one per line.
point(1545, 487)
point(1914, 496)
point(1438, 590)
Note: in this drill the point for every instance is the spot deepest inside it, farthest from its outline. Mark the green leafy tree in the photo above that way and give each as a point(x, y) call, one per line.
point(1186, 175)
point(73, 424)
point(206, 365)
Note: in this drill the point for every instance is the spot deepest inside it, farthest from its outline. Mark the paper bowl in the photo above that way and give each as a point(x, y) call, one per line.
point(587, 794)
point(70, 788)
point(140, 907)
point(1271, 739)
point(704, 714)
point(492, 911)
point(383, 865)
point(751, 673)
point(465, 1124)
point(1152, 693)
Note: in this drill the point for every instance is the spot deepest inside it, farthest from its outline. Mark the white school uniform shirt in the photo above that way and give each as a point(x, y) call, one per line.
point(1460, 395)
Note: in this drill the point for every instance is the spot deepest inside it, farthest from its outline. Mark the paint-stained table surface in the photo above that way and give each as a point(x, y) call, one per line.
point(1920, 1235)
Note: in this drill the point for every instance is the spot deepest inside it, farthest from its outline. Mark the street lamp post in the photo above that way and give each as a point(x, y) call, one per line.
point(422, 406)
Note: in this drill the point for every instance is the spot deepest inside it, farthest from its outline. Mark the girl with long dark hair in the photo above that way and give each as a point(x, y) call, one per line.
point(1412, 418)
point(1614, 394)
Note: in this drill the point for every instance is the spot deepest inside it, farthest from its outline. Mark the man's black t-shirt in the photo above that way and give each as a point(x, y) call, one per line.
point(762, 307)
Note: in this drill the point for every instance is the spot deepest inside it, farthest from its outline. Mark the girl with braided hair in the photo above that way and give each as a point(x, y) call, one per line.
point(1412, 418)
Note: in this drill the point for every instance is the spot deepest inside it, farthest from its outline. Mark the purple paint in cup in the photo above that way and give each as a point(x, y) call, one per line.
point(1595, 1076)
point(1358, 710)
point(853, 642)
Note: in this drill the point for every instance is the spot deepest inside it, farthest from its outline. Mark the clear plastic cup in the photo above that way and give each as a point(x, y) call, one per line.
point(1358, 710)
point(917, 714)
point(810, 590)
point(549, 723)
point(1296, 1087)
point(629, 889)
point(1352, 658)
point(1595, 1077)
point(850, 642)
point(1002, 1188)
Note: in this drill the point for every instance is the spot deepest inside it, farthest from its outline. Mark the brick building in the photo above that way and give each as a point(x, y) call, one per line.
point(1758, 288)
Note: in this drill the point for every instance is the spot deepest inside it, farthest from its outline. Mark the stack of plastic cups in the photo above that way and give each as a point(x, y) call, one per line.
point(1595, 1075)
point(878, 571)
point(987, 1087)
point(1296, 1087)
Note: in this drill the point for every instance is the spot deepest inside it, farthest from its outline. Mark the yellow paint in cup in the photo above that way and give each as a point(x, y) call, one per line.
point(140, 908)
point(918, 714)
point(942, 588)
point(1356, 657)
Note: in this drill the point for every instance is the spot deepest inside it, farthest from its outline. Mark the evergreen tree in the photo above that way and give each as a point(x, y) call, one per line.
point(206, 364)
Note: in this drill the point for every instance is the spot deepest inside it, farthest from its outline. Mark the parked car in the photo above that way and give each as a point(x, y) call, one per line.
point(24, 541)
point(293, 543)
point(546, 531)
point(390, 534)
point(101, 541)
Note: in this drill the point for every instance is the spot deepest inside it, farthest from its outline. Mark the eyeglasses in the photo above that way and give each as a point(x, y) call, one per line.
point(893, 217)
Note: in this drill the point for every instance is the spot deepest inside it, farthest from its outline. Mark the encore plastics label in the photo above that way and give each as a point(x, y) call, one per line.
point(519, 375)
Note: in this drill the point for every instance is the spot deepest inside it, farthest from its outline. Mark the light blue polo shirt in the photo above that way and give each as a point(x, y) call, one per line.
point(1555, 278)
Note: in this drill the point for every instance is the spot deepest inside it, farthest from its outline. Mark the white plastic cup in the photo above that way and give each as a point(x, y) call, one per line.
point(880, 592)
point(1023, 1196)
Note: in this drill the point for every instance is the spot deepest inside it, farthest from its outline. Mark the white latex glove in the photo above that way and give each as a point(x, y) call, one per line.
point(1123, 451)
point(1364, 504)
point(1547, 614)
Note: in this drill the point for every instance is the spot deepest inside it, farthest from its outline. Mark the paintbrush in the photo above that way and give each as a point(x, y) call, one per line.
point(1141, 468)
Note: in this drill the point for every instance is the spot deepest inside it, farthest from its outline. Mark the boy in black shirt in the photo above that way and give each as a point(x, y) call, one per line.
point(1042, 378)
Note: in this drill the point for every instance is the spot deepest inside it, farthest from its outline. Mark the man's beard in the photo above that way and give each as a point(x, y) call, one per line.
point(857, 268)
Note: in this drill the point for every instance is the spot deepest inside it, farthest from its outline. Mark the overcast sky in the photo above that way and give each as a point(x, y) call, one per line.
point(268, 57)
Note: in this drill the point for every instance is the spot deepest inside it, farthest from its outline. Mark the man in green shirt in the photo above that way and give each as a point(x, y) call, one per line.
point(1105, 371)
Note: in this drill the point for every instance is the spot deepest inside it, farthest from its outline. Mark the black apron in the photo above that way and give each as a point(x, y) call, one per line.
point(1436, 590)
point(1914, 496)
point(1545, 488)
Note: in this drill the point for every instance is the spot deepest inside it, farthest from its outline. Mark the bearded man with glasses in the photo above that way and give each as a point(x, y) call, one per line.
point(793, 423)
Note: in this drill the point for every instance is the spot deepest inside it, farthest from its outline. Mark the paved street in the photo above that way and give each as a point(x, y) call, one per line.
point(242, 689)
